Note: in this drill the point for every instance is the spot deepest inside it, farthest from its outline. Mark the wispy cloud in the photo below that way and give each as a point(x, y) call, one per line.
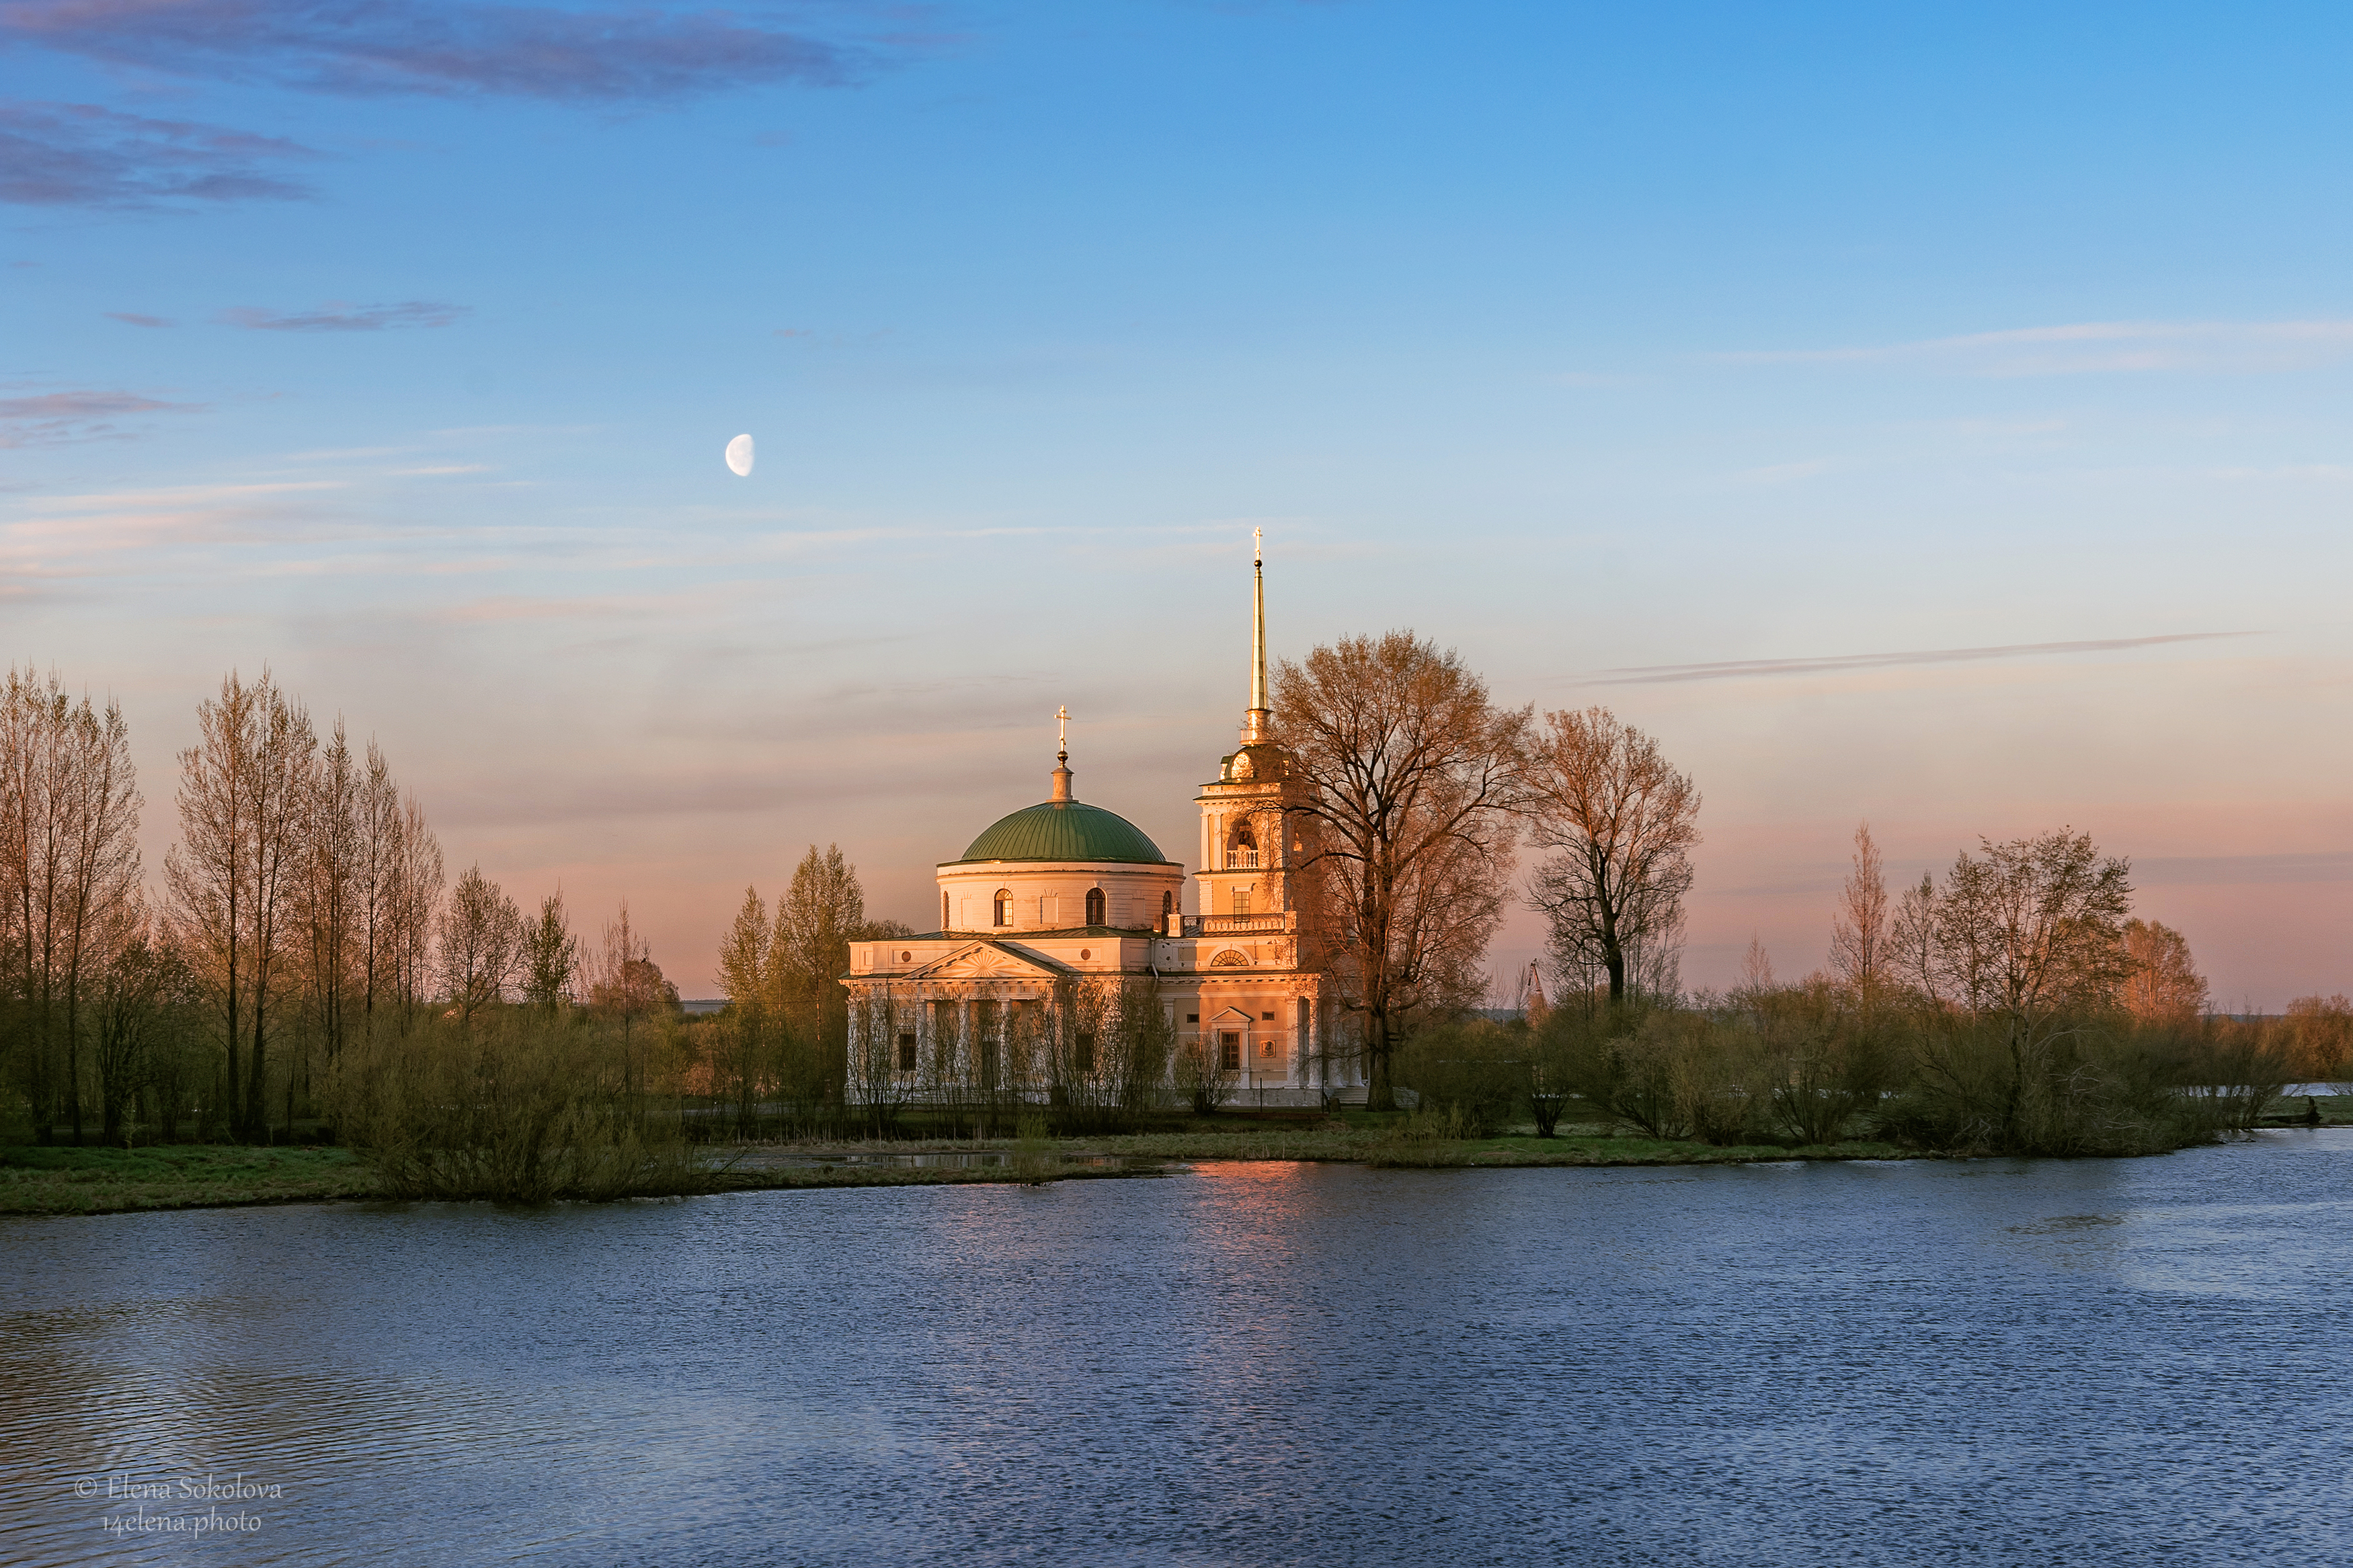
point(2088, 348)
point(54, 418)
point(606, 53)
point(78, 154)
point(1745, 668)
point(2209, 870)
point(133, 319)
point(340, 316)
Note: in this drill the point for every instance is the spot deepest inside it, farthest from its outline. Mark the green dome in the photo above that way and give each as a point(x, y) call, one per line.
point(1065, 830)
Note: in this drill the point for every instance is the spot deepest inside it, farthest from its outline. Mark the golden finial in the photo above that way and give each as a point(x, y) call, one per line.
point(1062, 753)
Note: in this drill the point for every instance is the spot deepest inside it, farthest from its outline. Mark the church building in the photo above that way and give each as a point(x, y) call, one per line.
point(1068, 890)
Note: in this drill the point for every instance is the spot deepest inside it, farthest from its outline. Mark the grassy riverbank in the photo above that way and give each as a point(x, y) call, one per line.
point(37, 1181)
point(65, 1181)
point(1372, 1140)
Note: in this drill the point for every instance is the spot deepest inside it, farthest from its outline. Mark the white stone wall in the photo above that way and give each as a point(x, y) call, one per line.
point(1051, 896)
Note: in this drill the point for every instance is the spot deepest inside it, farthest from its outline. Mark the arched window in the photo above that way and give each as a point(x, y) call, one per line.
point(1167, 906)
point(1003, 907)
point(946, 919)
point(1243, 851)
point(1095, 907)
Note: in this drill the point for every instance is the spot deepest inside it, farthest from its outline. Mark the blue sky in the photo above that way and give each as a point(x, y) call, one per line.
point(395, 346)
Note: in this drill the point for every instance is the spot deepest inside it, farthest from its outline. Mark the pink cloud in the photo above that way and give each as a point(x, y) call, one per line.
point(609, 54)
point(338, 316)
point(78, 154)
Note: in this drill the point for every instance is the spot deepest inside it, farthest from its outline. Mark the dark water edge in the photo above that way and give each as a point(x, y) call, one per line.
point(1982, 1361)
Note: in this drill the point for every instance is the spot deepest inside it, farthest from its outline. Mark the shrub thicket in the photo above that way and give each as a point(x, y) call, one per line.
point(521, 1105)
point(1472, 1075)
point(1811, 1063)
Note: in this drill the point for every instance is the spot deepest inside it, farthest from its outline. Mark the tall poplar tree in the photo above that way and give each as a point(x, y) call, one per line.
point(234, 876)
point(68, 872)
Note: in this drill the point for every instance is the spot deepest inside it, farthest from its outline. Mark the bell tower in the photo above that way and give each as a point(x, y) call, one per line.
point(1245, 886)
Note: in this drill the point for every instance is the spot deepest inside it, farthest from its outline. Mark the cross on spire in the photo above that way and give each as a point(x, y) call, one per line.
point(1062, 753)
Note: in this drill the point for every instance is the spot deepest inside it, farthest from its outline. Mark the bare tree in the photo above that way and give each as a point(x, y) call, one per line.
point(139, 1002)
point(243, 789)
point(2320, 1032)
point(481, 945)
point(331, 888)
point(881, 1079)
point(415, 895)
point(2032, 926)
point(745, 956)
point(550, 956)
point(1410, 777)
point(69, 870)
point(379, 854)
point(1859, 954)
point(1105, 1053)
point(627, 989)
point(2161, 984)
point(816, 918)
point(2025, 940)
point(1620, 822)
point(1912, 940)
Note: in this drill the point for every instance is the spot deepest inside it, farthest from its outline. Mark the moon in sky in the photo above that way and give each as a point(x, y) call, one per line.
point(739, 455)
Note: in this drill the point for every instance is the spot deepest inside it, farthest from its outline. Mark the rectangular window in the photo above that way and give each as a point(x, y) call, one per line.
point(1241, 900)
point(1192, 1017)
point(1086, 1053)
point(1229, 1051)
point(907, 1052)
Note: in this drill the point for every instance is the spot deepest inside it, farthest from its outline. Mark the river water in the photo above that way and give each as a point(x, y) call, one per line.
point(1985, 1361)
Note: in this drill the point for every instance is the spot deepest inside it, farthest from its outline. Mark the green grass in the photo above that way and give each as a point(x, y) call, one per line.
point(68, 1181)
point(2335, 1110)
point(1377, 1140)
point(1371, 1142)
point(1026, 1171)
point(53, 1181)
point(174, 1176)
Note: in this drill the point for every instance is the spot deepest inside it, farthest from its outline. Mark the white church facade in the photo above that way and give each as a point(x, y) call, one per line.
point(1066, 891)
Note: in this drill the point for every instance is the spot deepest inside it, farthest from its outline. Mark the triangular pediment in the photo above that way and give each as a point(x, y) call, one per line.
point(1233, 1015)
point(989, 961)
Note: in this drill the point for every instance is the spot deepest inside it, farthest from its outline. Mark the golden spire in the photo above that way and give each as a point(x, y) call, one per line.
point(1062, 753)
point(1254, 724)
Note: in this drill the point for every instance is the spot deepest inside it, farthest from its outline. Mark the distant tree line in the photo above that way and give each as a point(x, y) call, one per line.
point(306, 964)
point(2017, 1004)
point(778, 1055)
point(301, 939)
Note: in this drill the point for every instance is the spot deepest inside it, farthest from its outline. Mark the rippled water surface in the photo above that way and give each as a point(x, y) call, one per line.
point(1989, 1363)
